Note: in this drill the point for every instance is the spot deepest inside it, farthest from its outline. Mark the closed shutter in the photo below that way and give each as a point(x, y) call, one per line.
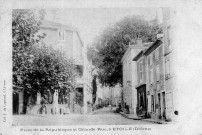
point(157, 55)
point(160, 53)
point(157, 73)
point(152, 76)
point(141, 72)
point(168, 35)
point(138, 73)
point(151, 61)
point(167, 68)
point(148, 60)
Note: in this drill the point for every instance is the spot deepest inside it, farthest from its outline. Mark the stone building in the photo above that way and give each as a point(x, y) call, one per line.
point(157, 94)
point(141, 108)
point(67, 39)
point(155, 90)
point(129, 76)
point(169, 27)
point(115, 95)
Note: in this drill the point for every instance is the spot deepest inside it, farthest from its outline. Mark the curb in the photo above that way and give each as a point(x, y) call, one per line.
point(124, 115)
point(157, 122)
point(148, 120)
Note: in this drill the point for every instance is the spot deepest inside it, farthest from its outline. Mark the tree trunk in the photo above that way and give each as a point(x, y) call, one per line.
point(25, 101)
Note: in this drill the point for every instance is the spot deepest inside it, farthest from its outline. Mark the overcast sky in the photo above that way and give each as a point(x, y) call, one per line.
point(91, 21)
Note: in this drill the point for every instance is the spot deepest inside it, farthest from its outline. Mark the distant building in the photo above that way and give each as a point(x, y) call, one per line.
point(115, 95)
point(105, 95)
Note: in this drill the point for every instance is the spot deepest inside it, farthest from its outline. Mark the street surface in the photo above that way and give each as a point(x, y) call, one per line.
point(100, 117)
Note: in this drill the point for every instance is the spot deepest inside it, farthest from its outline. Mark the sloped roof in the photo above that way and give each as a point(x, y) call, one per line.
point(50, 24)
point(55, 25)
point(153, 46)
point(134, 46)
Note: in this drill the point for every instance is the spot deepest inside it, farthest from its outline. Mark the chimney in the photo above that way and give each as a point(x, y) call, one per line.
point(139, 41)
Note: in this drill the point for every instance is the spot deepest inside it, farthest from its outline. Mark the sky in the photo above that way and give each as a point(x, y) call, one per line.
point(92, 21)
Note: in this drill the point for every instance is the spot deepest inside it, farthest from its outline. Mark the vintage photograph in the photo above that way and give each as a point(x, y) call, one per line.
point(93, 66)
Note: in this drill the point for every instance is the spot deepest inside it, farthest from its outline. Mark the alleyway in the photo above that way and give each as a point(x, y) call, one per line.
point(99, 117)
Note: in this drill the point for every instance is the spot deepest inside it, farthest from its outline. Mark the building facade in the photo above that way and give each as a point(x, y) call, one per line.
point(129, 76)
point(67, 40)
point(141, 108)
point(156, 107)
point(155, 79)
point(115, 95)
point(169, 27)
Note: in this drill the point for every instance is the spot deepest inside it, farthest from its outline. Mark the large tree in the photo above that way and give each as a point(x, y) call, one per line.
point(108, 48)
point(25, 24)
point(36, 67)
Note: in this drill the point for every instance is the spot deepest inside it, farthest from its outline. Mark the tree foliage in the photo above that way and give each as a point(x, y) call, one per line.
point(37, 67)
point(109, 48)
point(25, 24)
point(52, 71)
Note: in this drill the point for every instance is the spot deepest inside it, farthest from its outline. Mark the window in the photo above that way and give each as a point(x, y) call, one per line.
point(160, 52)
point(141, 71)
point(167, 68)
point(157, 73)
point(157, 55)
point(168, 35)
point(61, 35)
point(148, 60)
point(151, 61)
point(151, 76)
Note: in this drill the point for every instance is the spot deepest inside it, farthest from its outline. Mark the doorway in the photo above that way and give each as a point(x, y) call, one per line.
point(159, 105)
point(164, 105)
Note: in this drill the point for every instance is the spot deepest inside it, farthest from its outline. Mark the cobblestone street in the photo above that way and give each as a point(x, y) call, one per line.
point(99, 117)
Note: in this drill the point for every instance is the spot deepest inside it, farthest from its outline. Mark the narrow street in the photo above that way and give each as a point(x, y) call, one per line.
point(99, 117)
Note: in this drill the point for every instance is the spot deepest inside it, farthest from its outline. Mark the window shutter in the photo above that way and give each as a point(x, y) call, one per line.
point(160, 53)
point(167, 68)
point(157, 55)
point(149, 76)
point(152, 76)
point(168, 35)
point(141, 72)
point(151, 60)
point(157, 74)
point(61, 35)
point(138, 72)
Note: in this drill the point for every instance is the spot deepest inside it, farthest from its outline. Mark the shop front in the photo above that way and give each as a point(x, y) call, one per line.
point(141, 101)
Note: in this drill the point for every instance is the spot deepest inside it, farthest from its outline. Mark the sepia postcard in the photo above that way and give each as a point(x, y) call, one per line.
point(100, 67)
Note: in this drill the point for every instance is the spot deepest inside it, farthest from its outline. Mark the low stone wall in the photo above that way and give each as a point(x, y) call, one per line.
point(49, 109)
